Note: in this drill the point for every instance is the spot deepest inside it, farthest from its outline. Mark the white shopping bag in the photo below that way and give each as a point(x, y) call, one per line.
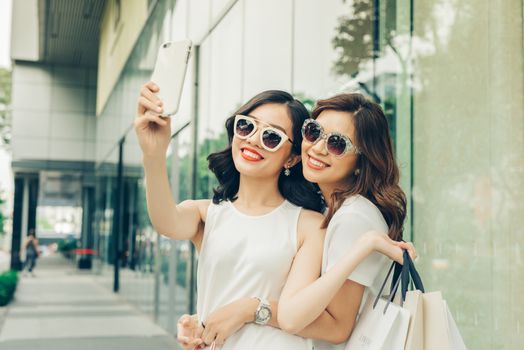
point(455, 339)
point(440, 329)
point(398, 334)
point(379, 330)
point(413, 303)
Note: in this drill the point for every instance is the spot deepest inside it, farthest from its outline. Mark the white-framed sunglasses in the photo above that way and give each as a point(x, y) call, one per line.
point(336, 143)
point(271, 138)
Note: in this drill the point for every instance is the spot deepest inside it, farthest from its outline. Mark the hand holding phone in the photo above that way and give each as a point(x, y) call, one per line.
point(153, 132)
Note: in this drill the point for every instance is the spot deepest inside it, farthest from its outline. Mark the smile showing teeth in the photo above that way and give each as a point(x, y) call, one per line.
point(317, 163)
point(251, 154)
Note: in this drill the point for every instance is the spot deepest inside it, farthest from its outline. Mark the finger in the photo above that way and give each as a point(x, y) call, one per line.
point(184, 320)
point(152, 86)
point(410, 248)
point(219, 340)
point(149, 117)
point(150, 95)
point(184, 334)
point(197, 342)
point(189, 347)
point(148, 105)
point(209, 336)
point(199, 331)
point(183, 340)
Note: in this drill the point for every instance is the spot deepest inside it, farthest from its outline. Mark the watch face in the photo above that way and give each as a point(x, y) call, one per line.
point(263, 314)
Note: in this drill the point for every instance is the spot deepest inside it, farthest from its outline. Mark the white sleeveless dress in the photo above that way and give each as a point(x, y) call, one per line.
point(248, 256)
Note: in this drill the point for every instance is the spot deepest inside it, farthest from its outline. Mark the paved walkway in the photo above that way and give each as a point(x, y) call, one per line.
point(62, 308)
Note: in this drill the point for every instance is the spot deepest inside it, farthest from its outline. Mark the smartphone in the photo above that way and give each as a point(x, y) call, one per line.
point(169, 73)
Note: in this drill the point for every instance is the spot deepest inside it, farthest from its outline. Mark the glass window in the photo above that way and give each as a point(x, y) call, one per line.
point(267, 48)
point(468, 151)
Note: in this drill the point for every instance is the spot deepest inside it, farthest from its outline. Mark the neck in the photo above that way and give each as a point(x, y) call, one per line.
point(256, 192)
point(328, 189)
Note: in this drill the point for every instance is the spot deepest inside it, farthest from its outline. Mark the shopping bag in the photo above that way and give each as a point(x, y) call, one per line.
point(440, 329)
point(375, 327)
point(455, 339)
point(433, 321)
point(398, 334)
point(414, 304)
point(382, 324)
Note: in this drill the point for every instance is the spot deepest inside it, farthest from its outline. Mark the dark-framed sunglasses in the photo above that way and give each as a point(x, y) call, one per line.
point(271, 138)
point(336, 143)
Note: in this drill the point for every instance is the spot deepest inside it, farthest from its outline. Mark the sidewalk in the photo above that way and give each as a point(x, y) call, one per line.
point(63, 309)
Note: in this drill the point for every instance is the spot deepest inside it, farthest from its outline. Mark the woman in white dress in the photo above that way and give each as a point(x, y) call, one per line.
point(347, 151)
point(255, 194)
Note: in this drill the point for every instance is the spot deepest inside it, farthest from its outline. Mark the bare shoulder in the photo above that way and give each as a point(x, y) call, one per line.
point(310, 226)
point(199, 205)
point(310, 217)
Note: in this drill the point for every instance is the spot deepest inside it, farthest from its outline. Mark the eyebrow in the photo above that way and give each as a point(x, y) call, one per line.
point(261, 121)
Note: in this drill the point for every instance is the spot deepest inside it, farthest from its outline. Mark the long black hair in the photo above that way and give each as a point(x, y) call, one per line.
point(295, 188)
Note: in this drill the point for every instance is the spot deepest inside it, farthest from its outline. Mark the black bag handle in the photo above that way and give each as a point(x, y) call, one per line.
point(402, 275)
point(384, 284)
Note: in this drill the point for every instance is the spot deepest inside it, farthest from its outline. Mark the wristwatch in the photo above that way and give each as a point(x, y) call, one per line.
point(263, 313)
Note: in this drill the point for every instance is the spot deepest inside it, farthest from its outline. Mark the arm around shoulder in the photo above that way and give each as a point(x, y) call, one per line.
point(304, 271)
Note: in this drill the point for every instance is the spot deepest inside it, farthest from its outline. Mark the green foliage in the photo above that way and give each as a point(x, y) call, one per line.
point(8, 282)
point(354, 36)
point(205, 180)
point(307, 101)
point(5, 103)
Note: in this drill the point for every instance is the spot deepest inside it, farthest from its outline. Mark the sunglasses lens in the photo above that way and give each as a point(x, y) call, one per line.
point(244, 127)
point(336, 145)
point(312, 132)
point(271, 139)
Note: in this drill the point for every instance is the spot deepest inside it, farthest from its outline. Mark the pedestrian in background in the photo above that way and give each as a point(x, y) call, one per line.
point(31, 252)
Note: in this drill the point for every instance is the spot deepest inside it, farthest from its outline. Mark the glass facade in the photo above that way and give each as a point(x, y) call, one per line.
point(450, 77)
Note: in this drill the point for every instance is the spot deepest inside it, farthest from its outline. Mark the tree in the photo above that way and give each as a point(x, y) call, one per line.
point(354, 39)
point(5, 107)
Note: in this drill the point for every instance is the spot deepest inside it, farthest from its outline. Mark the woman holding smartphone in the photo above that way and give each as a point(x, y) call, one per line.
point(255, 229)
point(347, 151)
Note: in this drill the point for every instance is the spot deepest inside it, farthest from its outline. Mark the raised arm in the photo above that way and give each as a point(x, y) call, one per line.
point(183, 221)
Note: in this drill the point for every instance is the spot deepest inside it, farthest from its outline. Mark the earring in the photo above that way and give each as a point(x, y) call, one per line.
point(287, 172)
point(357, 172)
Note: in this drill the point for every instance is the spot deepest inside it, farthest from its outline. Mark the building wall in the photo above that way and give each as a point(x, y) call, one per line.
point(53, 113)
point(121, 25)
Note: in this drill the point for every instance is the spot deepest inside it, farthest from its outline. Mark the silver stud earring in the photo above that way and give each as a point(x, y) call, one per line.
point(357, 172)
point(287, 172)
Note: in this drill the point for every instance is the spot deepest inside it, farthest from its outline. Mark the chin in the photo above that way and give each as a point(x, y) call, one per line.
point(251, 171)
point(312, 176)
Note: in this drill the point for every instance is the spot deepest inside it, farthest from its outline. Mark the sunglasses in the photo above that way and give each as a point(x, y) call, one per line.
point(336, 143)
point(271, 138)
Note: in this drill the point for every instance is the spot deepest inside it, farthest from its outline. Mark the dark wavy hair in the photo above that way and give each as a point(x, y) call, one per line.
point(295, 188)
point(378, 179)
